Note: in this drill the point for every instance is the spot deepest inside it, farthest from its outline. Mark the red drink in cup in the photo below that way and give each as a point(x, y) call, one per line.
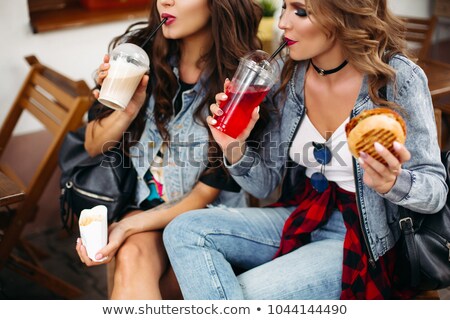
point(238, 109)
point(250, 85)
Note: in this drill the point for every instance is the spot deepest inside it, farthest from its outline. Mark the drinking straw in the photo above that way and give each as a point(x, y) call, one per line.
point(277, 51)
point(153, 33)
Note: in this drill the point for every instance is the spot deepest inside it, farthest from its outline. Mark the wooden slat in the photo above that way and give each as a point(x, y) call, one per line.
point(420, 30)
point(57, 110)
point(9, 172)
point(39, 275)
point(63, 97)
point(49, 123)
point(10, 192)
point(412, 20)
point(438, 118)
point(13, 114)
point(415, 38)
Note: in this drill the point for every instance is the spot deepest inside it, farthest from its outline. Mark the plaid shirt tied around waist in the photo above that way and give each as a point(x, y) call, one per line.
point(360, 280)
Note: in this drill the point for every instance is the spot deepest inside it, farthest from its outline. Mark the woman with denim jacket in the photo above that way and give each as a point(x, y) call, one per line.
point(165, 132)
point(332, 234)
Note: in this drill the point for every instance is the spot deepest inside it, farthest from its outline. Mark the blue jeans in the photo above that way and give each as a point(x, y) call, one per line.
point(205, 245)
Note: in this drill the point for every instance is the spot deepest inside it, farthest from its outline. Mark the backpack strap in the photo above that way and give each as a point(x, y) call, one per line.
point(407, 228)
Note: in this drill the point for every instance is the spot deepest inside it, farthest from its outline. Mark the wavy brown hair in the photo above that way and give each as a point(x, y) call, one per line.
point(234, 25)
point(370, 35)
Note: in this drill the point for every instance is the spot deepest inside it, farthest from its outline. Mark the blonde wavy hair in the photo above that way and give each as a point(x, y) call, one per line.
point(370, 35)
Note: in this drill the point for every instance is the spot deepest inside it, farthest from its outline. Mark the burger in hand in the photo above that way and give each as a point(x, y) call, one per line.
point(380, 125)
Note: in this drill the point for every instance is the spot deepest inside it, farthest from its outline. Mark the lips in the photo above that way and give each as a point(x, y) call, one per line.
point(170, 19)
point(289, 41)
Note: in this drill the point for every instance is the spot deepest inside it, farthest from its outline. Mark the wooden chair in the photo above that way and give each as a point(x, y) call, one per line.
point(438, 118)
point(59, 104)
point(419, 33)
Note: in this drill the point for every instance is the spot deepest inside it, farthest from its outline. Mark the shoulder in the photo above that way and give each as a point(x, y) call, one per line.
point(409, 75)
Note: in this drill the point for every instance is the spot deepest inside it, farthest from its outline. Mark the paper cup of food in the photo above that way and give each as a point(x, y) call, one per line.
point(94, 230)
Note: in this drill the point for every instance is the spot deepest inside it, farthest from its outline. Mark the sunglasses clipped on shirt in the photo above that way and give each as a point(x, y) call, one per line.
point(322, 154)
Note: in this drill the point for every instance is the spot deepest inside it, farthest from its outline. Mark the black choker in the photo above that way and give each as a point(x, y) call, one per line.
point(323, 72)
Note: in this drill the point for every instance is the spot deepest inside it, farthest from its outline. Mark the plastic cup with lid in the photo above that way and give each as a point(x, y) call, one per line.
point(128, 64)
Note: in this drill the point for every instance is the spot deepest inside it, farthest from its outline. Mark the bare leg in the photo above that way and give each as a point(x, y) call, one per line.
point(170, 290)
point(140, 264)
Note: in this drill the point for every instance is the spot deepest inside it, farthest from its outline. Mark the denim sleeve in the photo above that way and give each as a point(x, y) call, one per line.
point(421, 185)
point(259, 171)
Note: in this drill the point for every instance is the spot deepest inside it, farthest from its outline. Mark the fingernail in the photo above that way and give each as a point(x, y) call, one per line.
point(378, 147)
point(219, 112)
point(397, 145)
point(224, 97)
point(78, 240)
point(257, 109)
point(363, 155)
point(361, 161)
point(99, 256)
point(226, 80)
point(213, 121)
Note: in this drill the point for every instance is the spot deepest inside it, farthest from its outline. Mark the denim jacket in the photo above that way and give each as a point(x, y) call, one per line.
point(420, 186)
point(186, 156)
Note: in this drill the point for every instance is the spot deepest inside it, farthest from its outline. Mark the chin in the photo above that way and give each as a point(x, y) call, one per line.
point(296, 56)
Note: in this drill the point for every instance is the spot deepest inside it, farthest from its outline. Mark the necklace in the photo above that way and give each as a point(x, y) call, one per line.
point(323, 72)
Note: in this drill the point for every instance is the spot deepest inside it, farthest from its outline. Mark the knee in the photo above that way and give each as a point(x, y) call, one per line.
point(131, 250)
point(185, 229)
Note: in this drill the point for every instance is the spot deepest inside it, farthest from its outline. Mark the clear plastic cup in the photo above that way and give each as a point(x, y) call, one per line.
point(250, 84)
point(129, 63)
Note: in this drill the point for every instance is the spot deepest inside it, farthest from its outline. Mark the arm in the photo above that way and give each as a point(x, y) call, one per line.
point(421, 184)
point(257, 167)
point(157, 218)
point(153, 219)
point(107, 132)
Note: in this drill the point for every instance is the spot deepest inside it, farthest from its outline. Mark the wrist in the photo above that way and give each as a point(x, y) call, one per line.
point(235, 151)
point(123, 119)
point(128, 226)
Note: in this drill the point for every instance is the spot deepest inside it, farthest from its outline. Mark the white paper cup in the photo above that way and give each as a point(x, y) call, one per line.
point(94, 230)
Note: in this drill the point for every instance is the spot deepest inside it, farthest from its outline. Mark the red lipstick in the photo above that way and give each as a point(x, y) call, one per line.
point(289, 41)
point(170, 19)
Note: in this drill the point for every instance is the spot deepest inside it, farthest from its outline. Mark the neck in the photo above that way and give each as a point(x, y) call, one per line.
point(326, 72)
point(194, 46)
point(192, 49)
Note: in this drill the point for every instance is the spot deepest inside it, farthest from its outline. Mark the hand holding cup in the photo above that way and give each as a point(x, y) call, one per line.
point(128, 63)
point(233, 148)
point(94, 230)
point(138, 98)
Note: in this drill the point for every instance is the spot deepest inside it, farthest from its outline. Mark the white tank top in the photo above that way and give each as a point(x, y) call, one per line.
point(339, 169)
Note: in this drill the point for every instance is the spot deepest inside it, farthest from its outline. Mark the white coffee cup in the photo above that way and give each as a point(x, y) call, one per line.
point(128, 64)
point(94, 230)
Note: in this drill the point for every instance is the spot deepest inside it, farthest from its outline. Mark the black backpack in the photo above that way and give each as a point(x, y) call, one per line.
point(108, 179)
point(425, 250)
